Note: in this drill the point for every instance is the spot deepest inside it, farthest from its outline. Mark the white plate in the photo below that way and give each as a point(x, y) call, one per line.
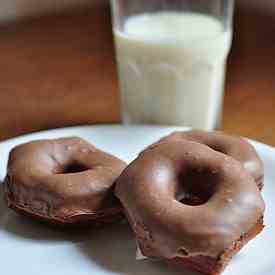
point(29, 248)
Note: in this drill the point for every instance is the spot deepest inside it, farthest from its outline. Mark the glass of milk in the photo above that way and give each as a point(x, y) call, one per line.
point(171, 57)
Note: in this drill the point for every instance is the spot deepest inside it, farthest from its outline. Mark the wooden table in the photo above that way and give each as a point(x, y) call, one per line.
point(59, 70)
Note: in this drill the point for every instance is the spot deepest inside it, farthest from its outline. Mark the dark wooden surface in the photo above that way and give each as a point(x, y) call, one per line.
point(59, 70)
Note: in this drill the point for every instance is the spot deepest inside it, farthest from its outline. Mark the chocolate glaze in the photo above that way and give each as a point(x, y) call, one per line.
point(236, 147)
point(151, 188)
point(63, 181)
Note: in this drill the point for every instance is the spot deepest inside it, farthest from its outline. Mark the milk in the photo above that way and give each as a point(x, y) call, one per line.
point(171, 68)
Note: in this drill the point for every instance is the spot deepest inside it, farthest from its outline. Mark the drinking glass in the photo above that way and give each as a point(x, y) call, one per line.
point(171, 59)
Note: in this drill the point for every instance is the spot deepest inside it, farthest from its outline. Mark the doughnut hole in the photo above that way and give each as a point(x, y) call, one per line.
point(218, 147)
point(72, 168)
point(196, 187)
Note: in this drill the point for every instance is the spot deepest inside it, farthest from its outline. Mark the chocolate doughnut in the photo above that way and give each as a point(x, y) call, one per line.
point(236, 147)
point(188, 203)
point(66, 181)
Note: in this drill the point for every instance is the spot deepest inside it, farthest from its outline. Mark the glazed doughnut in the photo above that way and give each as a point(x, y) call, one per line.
point(66, 181)
point(236, 147)
point(189, 203)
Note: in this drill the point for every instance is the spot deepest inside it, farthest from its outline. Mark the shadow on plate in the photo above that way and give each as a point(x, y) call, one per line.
point(113, 249)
